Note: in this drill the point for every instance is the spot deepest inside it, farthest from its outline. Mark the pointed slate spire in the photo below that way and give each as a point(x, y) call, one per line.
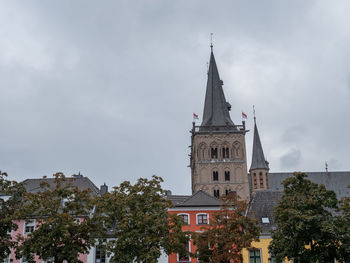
point(216, 109)
point(258, 158)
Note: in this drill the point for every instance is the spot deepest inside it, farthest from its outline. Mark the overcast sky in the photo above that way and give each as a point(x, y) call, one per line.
point(108, 88)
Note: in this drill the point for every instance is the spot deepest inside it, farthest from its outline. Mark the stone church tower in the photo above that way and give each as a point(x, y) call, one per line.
point(218, 150)
point(259, 168)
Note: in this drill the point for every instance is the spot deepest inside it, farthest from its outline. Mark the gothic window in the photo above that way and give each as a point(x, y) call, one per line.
point(201, 151)
point(215, 176)
point(214, 153)
point(225, 153)
point(255, 181)
point(237, 149)
point(217, 193)
point(261, 180)
point(227, 175)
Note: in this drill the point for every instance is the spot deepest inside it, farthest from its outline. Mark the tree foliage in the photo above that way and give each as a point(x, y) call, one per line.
point(65, 225)
point(230, 230)
point(306, 226)
point(11, 194)
point(344, 228)
point(140, 221)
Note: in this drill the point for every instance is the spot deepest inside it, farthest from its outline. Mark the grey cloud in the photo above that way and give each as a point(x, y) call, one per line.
point(109, 88)
point(291, 160)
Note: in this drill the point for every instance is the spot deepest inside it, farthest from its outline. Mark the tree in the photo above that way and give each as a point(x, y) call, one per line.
point(65, 225)
point(306, 228)
point(141, 225)
point(343, 223)
point(11, 194)
point(230, 230)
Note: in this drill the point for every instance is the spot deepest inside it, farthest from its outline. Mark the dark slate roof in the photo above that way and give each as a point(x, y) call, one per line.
point(261, 206)
point(199, 199)
point(258, 158)
point(33, 185)
point(335, 181)
point(216, 109)
point(177, 199)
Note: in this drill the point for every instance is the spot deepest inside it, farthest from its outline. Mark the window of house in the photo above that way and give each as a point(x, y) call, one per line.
point(254, 256)
point(225, 152)
point(227, 175)
point(29, 226)
point(184, 218)
point(202, 219)
point(100, 255)
point(216, 193)
point(215, 176)
point(214, 153)
point(186, 257)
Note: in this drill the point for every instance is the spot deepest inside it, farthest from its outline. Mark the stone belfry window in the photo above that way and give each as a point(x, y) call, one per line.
point(214, 153)
point(227, 175)
point(217, 193)
point(215, 176)
point(261, 180)
point(225, 152)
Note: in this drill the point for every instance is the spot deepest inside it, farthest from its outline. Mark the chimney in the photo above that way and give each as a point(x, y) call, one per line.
point(103, 189)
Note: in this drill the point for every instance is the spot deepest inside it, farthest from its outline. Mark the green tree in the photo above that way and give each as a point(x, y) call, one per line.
point(11, 194)
point(343, 223)
point(230, 230)
point(142, 227)
point(306, 228)
point(65, 223)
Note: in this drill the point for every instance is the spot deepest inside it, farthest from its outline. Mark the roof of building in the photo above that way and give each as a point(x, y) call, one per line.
point(83, 183)
point(216, 108)
point(335, 181)
point(262, 205)
point(258, 158)
point(199, 199)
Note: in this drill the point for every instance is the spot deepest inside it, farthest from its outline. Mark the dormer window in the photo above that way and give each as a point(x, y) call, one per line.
point(215, 176)
point(214, 153)
point(225, 153)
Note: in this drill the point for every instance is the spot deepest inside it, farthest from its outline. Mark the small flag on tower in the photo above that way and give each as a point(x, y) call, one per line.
point(244, 116)
point(195, 116)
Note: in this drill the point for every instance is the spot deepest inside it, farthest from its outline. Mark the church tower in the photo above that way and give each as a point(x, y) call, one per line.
point(259, 168)
point(218, 151)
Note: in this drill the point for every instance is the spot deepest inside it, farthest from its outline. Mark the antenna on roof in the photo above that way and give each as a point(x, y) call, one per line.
point(326, 166)
point(211, 42)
